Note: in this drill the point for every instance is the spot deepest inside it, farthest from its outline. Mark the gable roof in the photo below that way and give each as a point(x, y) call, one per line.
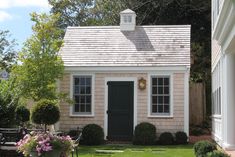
point(127, 11)
point(166, 45)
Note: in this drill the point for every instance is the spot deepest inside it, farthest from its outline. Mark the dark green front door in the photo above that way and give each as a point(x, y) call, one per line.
point(120, 110)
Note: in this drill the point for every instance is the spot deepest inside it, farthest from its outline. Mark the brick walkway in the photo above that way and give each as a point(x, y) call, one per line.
point(232, 153)
point(194, 139)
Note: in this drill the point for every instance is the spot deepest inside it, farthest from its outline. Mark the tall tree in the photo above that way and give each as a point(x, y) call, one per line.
point(8, 54)
point(41, 65)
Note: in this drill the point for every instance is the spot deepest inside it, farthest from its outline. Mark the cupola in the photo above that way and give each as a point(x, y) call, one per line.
point(127, 20)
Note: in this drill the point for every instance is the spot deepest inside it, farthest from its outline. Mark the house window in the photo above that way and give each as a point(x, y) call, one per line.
point(160, 95)
point(82, 94)
point(216, 89)
point(127, 19)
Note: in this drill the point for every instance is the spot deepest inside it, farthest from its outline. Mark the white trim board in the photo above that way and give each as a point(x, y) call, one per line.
point(133, 79)
point(186, 102)
point(124, 69)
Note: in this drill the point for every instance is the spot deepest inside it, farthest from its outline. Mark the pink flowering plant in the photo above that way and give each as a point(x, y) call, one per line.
point(43, 143)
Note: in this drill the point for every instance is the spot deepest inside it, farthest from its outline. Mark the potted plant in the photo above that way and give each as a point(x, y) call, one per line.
point(45, 145)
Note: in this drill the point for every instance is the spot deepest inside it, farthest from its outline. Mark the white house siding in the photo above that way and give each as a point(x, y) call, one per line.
point(171, 124)
point(216, 91)
point(223, 74)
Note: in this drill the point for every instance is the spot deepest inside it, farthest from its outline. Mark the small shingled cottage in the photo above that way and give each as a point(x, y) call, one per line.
point(120, 76)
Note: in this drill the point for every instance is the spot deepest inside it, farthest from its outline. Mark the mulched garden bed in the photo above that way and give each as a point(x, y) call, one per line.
point(194, 139)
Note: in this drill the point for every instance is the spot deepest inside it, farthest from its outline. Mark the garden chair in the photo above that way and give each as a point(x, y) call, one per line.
point(76, 142)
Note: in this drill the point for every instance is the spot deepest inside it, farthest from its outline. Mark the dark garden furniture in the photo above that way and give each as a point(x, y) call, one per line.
point(8, 139)
point(76, 142)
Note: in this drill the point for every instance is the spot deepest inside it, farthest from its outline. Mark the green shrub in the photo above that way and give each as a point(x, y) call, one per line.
point(22, 114)
point(144, 134)
point(7, 109)
point(73, 134)
point(181, 137)
point(201, 148)
point(166, 138)
point(92, 134)
point(45, 112)
point(217, 153)
point(196, 131)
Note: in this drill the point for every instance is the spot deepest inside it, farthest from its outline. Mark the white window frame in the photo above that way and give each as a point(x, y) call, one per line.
point(216, 87)
point(77, 114)
point(127, 19)
point(170, 75)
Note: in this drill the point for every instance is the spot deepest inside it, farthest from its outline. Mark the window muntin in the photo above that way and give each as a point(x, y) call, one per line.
point(82, 94)
point(160, 95)
point(127, 18)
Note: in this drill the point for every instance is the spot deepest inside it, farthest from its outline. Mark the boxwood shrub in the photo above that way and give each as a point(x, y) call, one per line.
point(217, 153)
point(144, 134)
point(166, 138)
point(45, 112)
point(22, 114)
point(201, 148)
point(92, 134)
point(181, 137)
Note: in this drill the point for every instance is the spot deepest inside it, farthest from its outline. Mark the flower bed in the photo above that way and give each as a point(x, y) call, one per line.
point(45, 144)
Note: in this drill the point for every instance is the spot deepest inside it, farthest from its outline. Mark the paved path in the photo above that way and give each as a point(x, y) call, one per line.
point(232, 153)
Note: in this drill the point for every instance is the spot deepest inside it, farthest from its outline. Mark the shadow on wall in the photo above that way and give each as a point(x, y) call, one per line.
point(140, 39)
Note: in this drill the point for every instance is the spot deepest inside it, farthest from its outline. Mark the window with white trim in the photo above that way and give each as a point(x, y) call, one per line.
point(127, 19)
point(216, 89)
point(160, 95)
point(82, 94)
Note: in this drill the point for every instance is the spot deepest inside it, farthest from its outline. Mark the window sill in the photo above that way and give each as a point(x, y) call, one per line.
point(161, 116)
point(82, 115)
point(216, 116)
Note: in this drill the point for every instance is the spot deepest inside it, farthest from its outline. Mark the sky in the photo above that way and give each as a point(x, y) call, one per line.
point(15, 17)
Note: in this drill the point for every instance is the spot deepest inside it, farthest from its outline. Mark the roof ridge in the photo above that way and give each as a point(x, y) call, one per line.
point(142, 26)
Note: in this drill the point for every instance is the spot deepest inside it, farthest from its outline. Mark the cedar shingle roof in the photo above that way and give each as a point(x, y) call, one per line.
point(166, 45)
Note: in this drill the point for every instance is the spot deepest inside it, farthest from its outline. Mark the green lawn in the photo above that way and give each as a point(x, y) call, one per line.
point(136, 151)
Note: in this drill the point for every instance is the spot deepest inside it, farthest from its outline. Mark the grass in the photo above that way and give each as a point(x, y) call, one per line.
point(136, 151)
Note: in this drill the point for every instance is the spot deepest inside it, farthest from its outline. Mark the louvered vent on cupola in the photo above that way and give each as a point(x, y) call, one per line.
point(127, 20)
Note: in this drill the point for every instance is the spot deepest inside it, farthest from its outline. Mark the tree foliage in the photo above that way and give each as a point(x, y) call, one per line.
point(8, 104)
point(22, 114)
point(45, 112)
point(8, 54)
point(40, 64)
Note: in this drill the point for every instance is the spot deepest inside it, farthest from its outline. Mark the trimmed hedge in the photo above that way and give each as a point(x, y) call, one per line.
point(144, 134)
point(45, 112)
point(166, 138)
point(181, 137)
point(201, 148)
point(92, 134)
